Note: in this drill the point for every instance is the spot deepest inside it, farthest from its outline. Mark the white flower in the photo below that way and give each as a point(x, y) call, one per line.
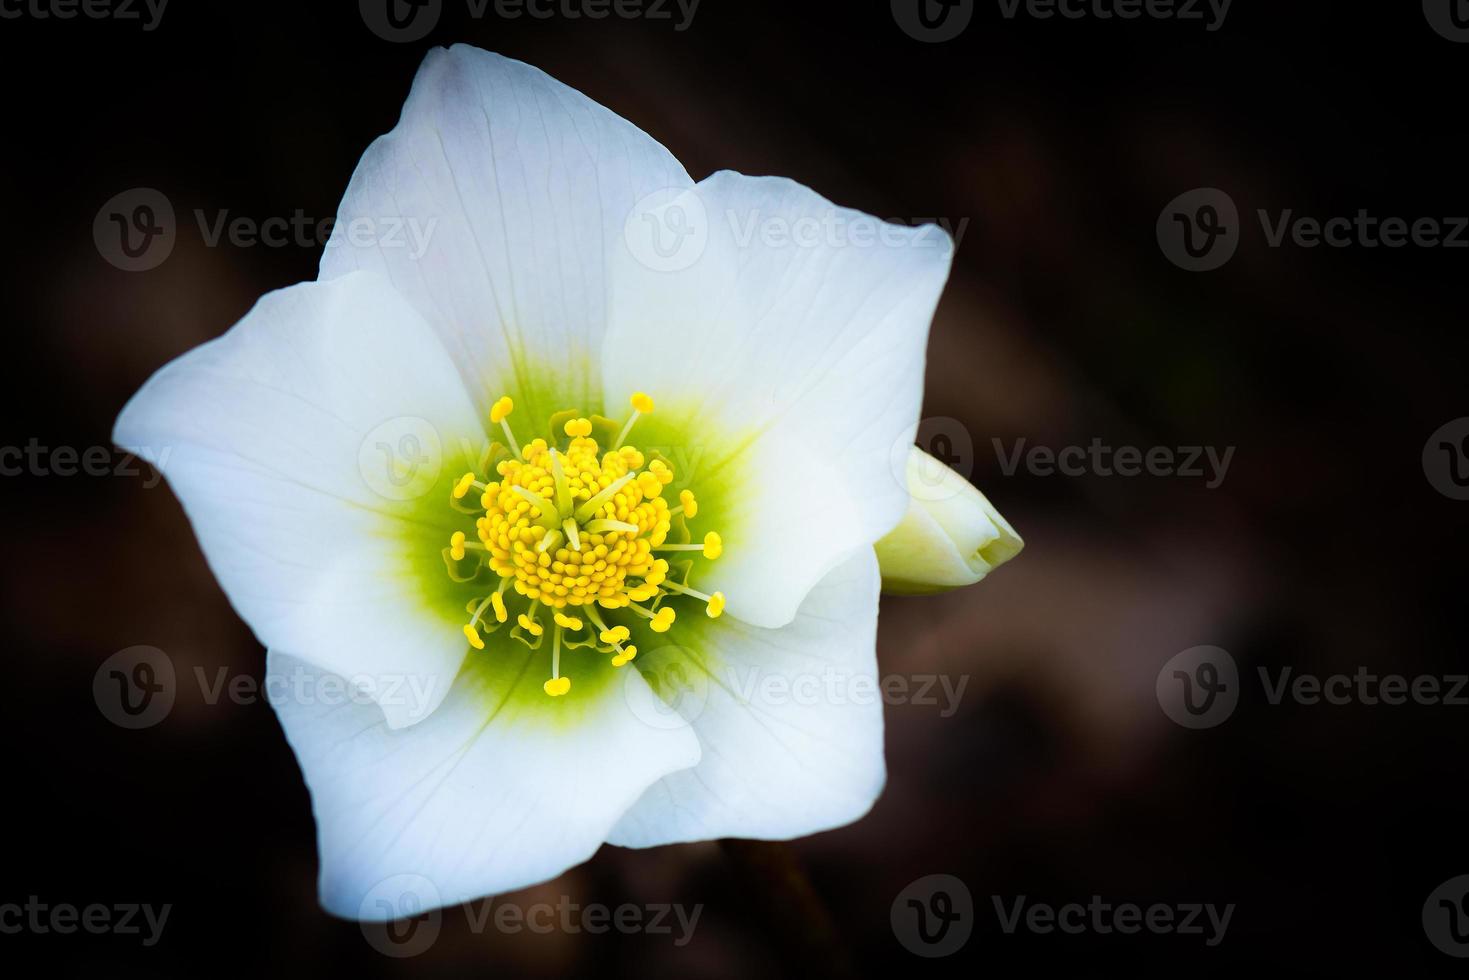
point(438, 476)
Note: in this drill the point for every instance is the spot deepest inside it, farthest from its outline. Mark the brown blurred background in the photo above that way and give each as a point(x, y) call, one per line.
point(1050, 146)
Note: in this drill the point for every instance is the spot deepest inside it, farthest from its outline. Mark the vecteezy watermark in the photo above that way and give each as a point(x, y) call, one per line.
point(1209, 12)
point(1446, 459)
point(149, 13)
point(1200, 688)
point(933, 21)
point(1450, 18)
point(137, 230)
point(670, 229)
point(1103, 918)
point(406, 21)
point(933, 916)
point(1200, 230)
point(135, 688)
point(668, 693)
point(35, 459)
point(1098, 459)
point(64, 919)
point(1446, 917)
point(138, 688)
point(401, 459)
point(403, 914)
point(944, 472)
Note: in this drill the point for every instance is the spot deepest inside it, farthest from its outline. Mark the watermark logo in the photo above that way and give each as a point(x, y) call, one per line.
point(1446, 917)
point(135, 688)
point(401, 915)
point(667, 692)
point(1450, 18)
point(943, 476)
point(933, 916)
point(1446, 459)
point(1208, 463)
point(62, 918)
point(401, 21)
point(135, 230)
point(933, 21)
point(149, 13)
point(1199, 230)
point(1213, 12)
point(1104, 918)
point(667, 230)
point(401, 459)
point(1199, 688)
point(39, 460)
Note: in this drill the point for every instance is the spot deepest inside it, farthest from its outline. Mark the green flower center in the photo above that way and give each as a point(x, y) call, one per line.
point(575, 535)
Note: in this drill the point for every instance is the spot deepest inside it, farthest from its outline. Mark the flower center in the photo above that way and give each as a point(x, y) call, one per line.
point(575, 536)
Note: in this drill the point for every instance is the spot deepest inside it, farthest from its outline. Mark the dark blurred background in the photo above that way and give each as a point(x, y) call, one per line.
point(1051, 147)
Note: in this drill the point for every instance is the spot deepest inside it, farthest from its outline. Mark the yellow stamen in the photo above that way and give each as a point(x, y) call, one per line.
point(462, 487)
point(641, 405)
point(577, 530)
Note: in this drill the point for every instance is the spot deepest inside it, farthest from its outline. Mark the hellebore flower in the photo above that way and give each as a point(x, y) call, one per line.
point(610, 439)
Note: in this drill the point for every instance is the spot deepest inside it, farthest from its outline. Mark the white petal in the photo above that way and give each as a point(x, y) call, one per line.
point(516, 183)
point(277, 438)
point(791, 333)
point(501, 788)
point(790, 721)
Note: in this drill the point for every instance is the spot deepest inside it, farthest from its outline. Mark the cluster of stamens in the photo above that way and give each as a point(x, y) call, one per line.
point(574, 535)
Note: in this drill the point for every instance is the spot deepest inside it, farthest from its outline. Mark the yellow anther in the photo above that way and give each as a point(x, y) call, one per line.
point(576, 531)
point(557, 686)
